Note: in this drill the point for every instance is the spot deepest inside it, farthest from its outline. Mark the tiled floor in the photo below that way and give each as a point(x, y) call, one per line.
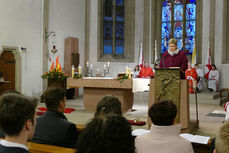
point(207, 125)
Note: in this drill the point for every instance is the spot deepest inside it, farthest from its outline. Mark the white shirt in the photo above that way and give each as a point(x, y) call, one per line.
point(13, 144)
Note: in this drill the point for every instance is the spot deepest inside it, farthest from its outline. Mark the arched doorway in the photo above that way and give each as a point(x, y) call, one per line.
point(7, 62)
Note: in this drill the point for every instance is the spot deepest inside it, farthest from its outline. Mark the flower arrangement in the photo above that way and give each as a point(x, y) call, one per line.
point(122, 78)
point(55, 73)
point(77, 76)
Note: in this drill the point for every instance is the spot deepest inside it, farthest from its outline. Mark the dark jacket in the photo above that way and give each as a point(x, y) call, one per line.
point(53, 128)
point(4, 149)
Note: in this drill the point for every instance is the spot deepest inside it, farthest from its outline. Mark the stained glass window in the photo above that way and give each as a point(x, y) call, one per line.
point(113, 27)
point(178, 21)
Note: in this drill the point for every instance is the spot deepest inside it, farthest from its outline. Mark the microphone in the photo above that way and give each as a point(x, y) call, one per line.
point(163, 58)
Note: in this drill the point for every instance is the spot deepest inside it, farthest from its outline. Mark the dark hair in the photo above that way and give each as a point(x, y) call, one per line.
point(53, 97)
point(214, 66)
point(163, 113)
point(196, 64)
point(108, 134)
point(108, 105)
point(15, 110)
point(11, 91)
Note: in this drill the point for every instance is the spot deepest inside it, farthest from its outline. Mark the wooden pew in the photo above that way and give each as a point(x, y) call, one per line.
point(43, 148)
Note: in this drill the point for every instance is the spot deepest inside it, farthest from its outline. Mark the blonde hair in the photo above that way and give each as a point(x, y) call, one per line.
point(222, 139)
point(173, 41)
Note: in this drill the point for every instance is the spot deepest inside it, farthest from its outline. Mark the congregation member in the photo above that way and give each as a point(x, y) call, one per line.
point(174, 58)
point(107, 134)
point(191, 76)
point(18, 121)
point(200, 78)
point(213, 79)
point(146, 71)
point(108, 105)
point(222, 139)
point(53, 127)
point(164, 135)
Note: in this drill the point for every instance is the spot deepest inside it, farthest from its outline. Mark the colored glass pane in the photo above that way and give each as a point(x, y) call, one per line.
point(164, 45)
point(191, 11)
point(107, 46)
point(119, 47)
point(166, 30)
point(178, 12)
point(179, 44)
point(166, 2)
point(190, 28)
point(107, 31)
point(178, 29)
point(108, 4)
point(178, 1)
point(190, 1)
point(189, 42)
point(119, 31)
point(166, 13)
point(119, 13)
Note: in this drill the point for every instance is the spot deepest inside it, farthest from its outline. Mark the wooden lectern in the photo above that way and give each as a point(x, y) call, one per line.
point(168, 85)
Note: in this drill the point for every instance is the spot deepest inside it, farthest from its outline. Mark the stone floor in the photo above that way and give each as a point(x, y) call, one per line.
point(207, 125)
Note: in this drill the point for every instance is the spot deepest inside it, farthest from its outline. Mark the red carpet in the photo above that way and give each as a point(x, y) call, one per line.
point(137, 123)
point(42, 110)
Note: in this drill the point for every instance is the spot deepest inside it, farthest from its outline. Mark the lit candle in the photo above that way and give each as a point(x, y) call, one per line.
point(129, 75)
point(87, 64)
point(127, 71)
point(73, 70)
point(104, 67)
point(108, 64)
point(79, 70)
point(91, 66)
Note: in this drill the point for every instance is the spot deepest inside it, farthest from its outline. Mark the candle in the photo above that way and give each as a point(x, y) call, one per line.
point(73, 70)
point(129, 74)
point(127, 71)
point(91, 66)
point(79, 70)
point(87, 64)
point(104, 67)
point(108, 64)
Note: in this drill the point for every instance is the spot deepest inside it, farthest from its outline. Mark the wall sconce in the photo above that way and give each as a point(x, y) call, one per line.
point(47, 34)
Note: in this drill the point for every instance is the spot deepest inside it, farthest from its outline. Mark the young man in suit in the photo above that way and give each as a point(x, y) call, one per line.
point(17, 121)
point(53, 128)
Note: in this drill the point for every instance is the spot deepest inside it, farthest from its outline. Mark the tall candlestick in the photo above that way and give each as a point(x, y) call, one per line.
point(129, 74)
point(79, 70)
point(73, 70)
point(87, 64)
point(127, 71)
point(104, 67)
point(108, 64)
point(91, 66)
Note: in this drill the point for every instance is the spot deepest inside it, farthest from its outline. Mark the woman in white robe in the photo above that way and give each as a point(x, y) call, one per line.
point(213, 79)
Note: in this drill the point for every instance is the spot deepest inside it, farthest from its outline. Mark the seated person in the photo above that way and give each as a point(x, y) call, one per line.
point(108, 105)
point(18, 121)
point(164, 135)
point(191, 76)
point(108, 134)
point(213, 79)
point(53, 128)
point(136, 71)
point(146, 71)
point(200, 78)
point(222, 139)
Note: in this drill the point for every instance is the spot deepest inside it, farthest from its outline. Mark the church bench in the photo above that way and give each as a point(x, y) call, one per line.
point(43, 148)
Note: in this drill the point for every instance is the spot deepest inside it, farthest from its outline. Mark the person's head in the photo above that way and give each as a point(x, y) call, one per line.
point(189, 65)
point(222, 139)
point(11, 91)
point(136, 68)
point(172, 44)
point(163, 113)
point(213, 67)
point(196, 66)
point(108, 105)
point(17, 115)
point(109, 134)
point(55, 99)
point(146, 64)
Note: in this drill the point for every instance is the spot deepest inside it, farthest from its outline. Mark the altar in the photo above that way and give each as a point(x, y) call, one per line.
point(97, 87)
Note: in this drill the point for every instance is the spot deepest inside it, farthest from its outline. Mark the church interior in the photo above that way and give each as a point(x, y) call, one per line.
point(94, 42)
